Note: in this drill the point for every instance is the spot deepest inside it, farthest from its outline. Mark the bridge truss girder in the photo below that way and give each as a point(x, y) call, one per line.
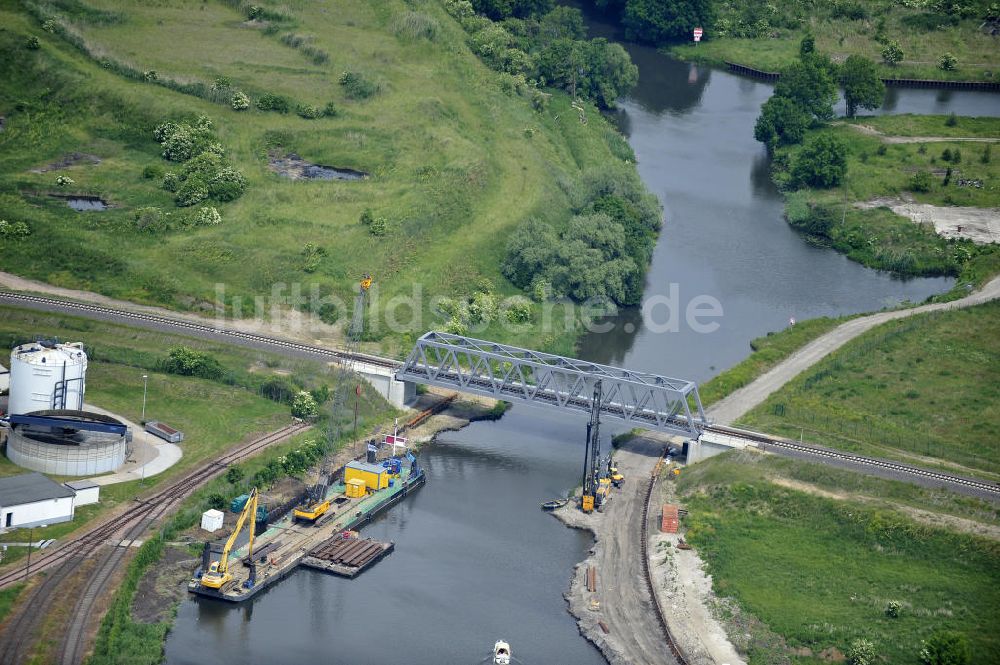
point(514, 374)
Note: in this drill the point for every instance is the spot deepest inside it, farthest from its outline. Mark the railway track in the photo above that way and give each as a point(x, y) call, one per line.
point(120, 531)
point(644, 548)
point(766, 441)
point(171, 495)
point(157, 322)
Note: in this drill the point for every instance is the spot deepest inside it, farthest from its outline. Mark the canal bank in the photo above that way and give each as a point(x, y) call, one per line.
point(476, 560)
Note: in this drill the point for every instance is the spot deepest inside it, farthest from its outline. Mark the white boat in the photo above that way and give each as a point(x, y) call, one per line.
point(501, 653)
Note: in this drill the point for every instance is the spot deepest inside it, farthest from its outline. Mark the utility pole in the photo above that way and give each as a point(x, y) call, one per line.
point(145, 382)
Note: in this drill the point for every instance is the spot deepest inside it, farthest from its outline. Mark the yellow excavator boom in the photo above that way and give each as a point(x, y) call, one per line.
point(217, 574)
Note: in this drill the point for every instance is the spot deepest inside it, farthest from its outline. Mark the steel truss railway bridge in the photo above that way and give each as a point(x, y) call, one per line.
point(511, 373)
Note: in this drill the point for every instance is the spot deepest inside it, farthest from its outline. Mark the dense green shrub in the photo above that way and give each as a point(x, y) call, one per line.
point(13, 230)
point(862, 652)
point(892, 53)
point(239, 101)
point(948, 62)
point(921, 181)
point(658, 22)
point(304, 405)
point(781, 122)
point(271, 102)
point(357, 85)
point(32, 43)
point(946, 648)
point(279, 389)
point(308, 112)
point(186, 361)
point(822, 162)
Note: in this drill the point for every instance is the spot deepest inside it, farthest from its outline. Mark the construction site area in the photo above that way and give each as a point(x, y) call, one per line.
point(320, 533)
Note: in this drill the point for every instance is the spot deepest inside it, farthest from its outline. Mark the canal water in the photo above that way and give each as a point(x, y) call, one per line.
point(475, 559)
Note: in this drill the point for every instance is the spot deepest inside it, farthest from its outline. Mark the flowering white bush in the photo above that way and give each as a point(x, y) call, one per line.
point(65, 181)
point(240, 101)
point(13, 230)
point(304, 406)
point(208, 216)
point(150, 75)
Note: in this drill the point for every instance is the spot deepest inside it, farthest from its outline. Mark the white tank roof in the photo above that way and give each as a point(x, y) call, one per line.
point(46, 353)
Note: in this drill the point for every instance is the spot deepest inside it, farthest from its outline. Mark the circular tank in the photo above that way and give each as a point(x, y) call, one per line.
point(67, 450)
point(47, 375)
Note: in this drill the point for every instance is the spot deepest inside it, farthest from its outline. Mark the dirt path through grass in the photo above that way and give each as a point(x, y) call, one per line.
point(740, 402)
point(871, 131)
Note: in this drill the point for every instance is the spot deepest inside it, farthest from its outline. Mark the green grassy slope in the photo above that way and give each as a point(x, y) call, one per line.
point(452, 166)
point(832, 565)
point(921, 389)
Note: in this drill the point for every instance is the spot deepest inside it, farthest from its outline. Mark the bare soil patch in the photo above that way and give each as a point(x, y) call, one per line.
point(980, 225)
point(163, 586)
point(72, 159)
point(294, 167)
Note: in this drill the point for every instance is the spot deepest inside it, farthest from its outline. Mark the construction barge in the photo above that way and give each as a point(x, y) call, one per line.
point(329, 544)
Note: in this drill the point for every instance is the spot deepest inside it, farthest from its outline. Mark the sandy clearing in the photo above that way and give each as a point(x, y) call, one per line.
point(980, 225)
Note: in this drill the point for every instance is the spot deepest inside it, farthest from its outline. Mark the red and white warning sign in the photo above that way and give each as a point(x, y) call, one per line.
point(698, 32)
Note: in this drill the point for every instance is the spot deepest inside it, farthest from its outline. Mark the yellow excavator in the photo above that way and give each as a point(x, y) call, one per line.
point(218, 575)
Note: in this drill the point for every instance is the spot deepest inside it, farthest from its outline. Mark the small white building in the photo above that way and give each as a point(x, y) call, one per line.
point(211, 520)
point(87, 492)
point(32, 499)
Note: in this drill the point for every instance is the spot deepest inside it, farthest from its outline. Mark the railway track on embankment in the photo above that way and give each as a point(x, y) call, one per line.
point(193, 328)
point(870, 465)
point(119, 532)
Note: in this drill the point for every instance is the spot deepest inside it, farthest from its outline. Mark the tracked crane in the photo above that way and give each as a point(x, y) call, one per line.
point(217, 575)
point(592, 456)
point(316, 504)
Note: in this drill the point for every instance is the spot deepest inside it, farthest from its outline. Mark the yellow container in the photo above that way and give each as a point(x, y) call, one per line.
point(375, 477)
point(355, 488)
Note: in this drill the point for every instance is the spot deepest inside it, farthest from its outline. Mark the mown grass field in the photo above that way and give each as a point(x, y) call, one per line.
point(923, 36)
point(453, 164)
point(831, 566)
point(876, 170)
point(921, 389)
point(768, 351)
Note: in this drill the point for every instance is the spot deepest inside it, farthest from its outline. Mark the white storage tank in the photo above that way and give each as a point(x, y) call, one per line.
point(47, 375)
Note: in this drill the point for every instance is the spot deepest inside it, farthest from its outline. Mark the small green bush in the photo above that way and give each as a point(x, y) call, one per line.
point(304, 405)
point(331, 110)
point(186, 361)
point(208, 216)
point(234, 474)
point(152, 172)
point(216, 501)
point(519, 311)
point(952, 120)
point(948, 62)
point(271, 102)
point(357, 85)
point(64, 181)
point(308, 112)
point(379, 226)
point(862, 652)
point(171, 181)
point(892, 609)
point(32, 43)
point(921, 181)
point(892, 54)
point(13, 230)
point(239, 101)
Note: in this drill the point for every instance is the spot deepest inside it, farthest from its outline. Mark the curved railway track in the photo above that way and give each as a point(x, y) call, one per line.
point(644, 548)
point(21, 630)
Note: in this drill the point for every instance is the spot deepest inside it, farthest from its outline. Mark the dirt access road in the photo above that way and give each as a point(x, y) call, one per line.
point(622, 598)
point(739, 403)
